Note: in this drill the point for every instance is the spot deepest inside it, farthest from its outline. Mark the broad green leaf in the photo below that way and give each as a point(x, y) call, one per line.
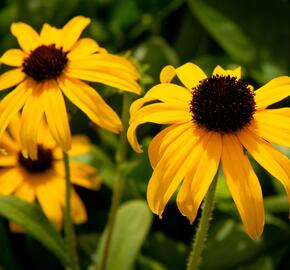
point(132, 224)
point(31, 218)
point(225, 31)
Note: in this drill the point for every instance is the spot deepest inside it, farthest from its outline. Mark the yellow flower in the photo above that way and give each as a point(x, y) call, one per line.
point(212, 119)
point(43, 179)
point(51, 65)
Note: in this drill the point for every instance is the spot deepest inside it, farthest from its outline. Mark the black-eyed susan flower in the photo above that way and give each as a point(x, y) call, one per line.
point(213, 119)
point(42, 180)
point(52, 64)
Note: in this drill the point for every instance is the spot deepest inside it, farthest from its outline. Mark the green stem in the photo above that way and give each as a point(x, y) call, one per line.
point(120, 182)
point(69, 228)
point(203, 226)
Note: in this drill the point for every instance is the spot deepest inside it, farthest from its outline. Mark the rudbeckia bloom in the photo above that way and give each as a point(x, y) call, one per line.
point(42, 179)
point(52, 64)
point(213, 119)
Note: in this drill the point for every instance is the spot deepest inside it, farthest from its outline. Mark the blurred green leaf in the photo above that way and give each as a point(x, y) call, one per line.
point(167, 251)
point(146, 263)
point(225, 31)
point(228, 237)
point(132, 224)
point(156, 53)
point(33, 221)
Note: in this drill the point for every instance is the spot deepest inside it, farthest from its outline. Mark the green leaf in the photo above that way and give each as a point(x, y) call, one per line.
point(146, 263)
point(31, 218)
point(225, 31)
point(228, 237)
point(133, 222)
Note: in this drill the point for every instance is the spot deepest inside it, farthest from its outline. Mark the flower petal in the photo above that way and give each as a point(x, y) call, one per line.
point(50, 205)
point(243, 185)
point(272, 160)
point(203, 167)
point(159, 113)
point(83, 48)
point(79, 213)
point(10, 179)
point(106, 63)
point(29, 128)
point(190, 75)
point(12, 103)
point(167, 74)
point(272, 125)
point(91, 103)
point(272, 92)
point(72, 31)
point(27, 37)
point(222, 72)
point(163, 139)
point(126, 83)
point(171, 169)
point(25, 192)
point(13, 57)
point(50, 35)
point(56, 114)
point(11, 78)
point(8, 161)
point(163, 92)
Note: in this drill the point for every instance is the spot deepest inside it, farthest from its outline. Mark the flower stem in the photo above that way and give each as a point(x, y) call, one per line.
point(203, 226)
point(120, 181)
point(69, 228)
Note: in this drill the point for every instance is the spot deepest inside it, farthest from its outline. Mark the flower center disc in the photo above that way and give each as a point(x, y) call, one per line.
point(43, 163)
point(45, 62)
point(223, 104)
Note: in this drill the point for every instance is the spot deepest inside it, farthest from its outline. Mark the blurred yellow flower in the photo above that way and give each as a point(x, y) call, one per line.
point(212, 119)
point(42, 180)
point(51, 64)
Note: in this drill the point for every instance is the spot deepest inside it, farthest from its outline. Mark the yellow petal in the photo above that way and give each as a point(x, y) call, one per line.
point(272, 92)
point(159, 113)
point(80, 145)
point(272, 160)
point(163, 92)
point(78, 210)
point(50, 35)
point(107, 63)
point(222, 72)
point(126, 83)
point(83, 48)
point(13, 57)
point(163, 139)
point(167, 74)
point(190, 75)
point(81, 174)
point(171, 170)
point(8, 161)
point(72, 31)
point(25, 192)
point(243, 185)
point(203, 167)
point(13, 102)
point(32, 109)
point(27, 37)
point(11, 78)
point(56, 115)
point(10, 179)
point(9, 144)
point(272, 125)
point(91, 103)
point(50, 205)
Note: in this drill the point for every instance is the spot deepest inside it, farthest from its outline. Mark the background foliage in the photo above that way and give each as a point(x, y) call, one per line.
point(254, 34)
